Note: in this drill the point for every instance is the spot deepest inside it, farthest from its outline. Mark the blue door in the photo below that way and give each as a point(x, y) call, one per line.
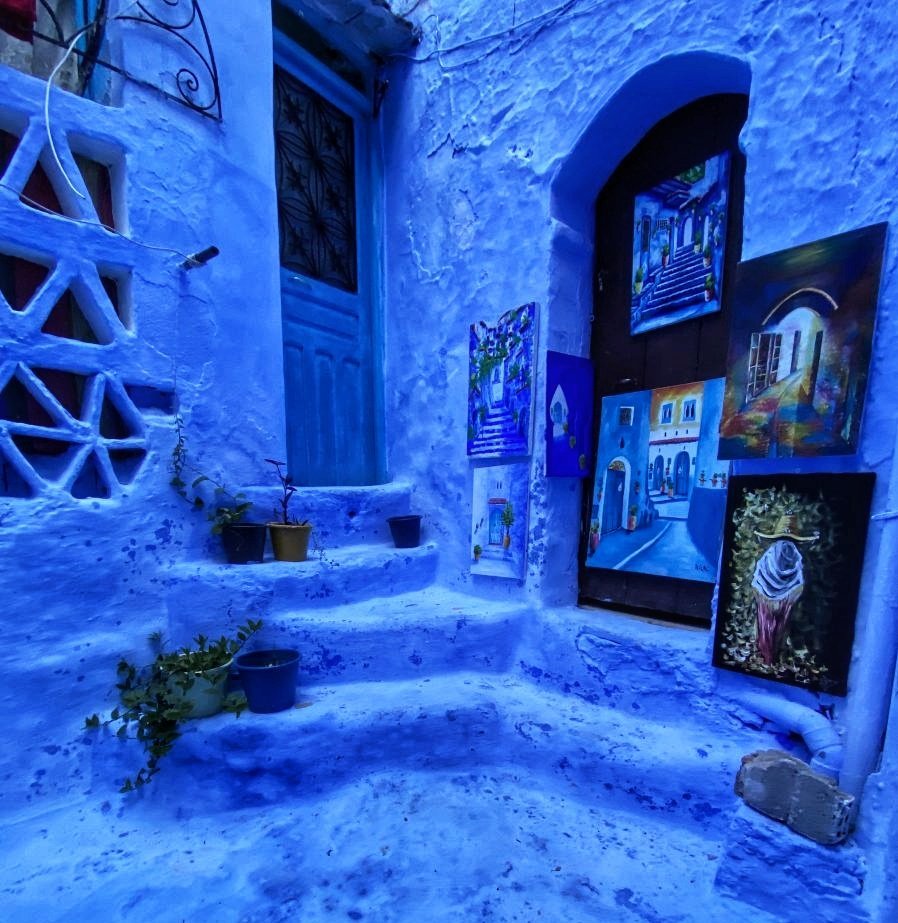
point(683, 473)
point(658, 473)
point(613, 508)
point(328, 225)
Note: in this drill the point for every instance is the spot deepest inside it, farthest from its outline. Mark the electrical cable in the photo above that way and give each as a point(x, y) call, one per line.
point(540, 20)
point(49, 86)
point(187, 257)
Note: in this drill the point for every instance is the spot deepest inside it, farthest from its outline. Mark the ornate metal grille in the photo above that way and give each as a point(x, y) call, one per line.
point(194, 83)
point(315, 169)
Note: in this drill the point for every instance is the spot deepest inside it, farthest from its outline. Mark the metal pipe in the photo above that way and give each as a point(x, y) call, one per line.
point(816, 730)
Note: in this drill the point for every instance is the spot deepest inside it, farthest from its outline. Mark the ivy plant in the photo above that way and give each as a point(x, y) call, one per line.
point(153, 701)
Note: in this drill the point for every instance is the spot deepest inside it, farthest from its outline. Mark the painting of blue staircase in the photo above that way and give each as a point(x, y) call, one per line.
point(679, 241)
point(500, 385)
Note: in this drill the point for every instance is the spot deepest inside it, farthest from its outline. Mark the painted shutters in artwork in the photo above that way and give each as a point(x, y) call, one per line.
point(763, 362)
point(328, 276)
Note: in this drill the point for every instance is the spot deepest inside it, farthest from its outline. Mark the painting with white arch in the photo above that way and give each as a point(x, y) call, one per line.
point(568, 416)
point(660, 492)
point(800, 345)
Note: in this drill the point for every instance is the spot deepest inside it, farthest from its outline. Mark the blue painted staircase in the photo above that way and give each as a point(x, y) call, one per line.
point(679, 284)
point(499, 433)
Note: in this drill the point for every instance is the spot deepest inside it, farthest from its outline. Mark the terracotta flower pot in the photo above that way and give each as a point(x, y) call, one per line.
point(290, 542)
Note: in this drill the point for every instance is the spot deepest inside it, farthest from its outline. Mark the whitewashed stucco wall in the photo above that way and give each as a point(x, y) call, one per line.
point(481, 216)
point(491, 143)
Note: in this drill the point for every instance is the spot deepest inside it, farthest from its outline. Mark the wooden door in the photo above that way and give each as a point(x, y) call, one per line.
point(327, 222)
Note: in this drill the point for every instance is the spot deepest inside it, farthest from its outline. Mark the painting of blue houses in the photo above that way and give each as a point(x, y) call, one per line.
point(800, 347)
point(500, 385)
point(679, 236)
point(569, 407)
point(501, 495)
point(660, 492)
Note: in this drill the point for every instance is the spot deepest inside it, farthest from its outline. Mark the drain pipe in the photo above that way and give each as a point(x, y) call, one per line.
point(816, 730)
point(876, 643)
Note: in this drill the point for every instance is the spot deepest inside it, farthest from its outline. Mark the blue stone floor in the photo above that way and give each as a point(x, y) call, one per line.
point(455, 797)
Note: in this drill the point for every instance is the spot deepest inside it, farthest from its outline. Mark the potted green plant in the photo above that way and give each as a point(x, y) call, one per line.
point(243, 542)
point(665, 254)
point(706, 256)
point(594, 538)
point(508, 522)
point(631, 518)
point(697, 242)
point(289, 535)
point(709, 286)
point(637, 281)
point(478, 551)
point(176, 686)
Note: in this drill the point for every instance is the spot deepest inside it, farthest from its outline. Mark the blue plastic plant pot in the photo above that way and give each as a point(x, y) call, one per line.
point(269, 679)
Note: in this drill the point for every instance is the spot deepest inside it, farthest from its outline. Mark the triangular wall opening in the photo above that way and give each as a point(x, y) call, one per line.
point(20, 279)
point(67, 320)
point(90, 481)
point(19, 405)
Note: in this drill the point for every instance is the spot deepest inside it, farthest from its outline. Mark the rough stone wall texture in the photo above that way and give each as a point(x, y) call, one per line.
point(476, 130)
point(492, 134)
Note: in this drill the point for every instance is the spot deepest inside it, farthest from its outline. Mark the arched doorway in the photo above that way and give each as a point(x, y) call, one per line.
point(681, 474)
point(649, 98)
point(658, 473)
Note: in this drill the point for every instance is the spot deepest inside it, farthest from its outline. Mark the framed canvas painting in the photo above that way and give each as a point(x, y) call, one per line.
point(679, 239)
point(500, 385)
point(499, 520)
point(800, 346)
point(660, 492)
point(792, 560)
point(568, 419)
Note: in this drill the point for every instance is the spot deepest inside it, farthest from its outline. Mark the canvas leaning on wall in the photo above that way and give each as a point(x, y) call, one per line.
point(499, 520)
point(792, 560)
point(660, 492)
point(568, 418)
point(800, 346)
point(500, 385)
point(679, 244)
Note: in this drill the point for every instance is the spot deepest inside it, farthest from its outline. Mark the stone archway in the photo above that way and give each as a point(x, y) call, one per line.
point(622, 119)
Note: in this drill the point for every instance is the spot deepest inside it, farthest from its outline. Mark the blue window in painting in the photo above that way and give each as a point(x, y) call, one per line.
point(689, 411)
point(667, 413)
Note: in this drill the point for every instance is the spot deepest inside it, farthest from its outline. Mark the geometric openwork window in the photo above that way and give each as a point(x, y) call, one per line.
point(315, 175)
point(67, 423)
point(80, 433)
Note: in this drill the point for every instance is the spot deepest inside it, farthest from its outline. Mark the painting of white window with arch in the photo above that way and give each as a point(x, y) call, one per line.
point(568, 420)
point(660, 492)
point(800, 345)
point(679, 239)
point(499, 520)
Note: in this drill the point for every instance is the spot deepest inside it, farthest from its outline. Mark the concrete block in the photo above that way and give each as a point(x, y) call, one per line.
point(788, 790)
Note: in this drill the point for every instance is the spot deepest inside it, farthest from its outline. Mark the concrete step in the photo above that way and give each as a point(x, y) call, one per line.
point(341, 516)
point(413, 635)
point(212, 598)
point(678, 773)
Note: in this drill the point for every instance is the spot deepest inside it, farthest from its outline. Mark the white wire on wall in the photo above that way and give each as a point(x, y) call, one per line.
point(49, 86)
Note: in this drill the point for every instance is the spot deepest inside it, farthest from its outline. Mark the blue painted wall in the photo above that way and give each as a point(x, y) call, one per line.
point(494, 153)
